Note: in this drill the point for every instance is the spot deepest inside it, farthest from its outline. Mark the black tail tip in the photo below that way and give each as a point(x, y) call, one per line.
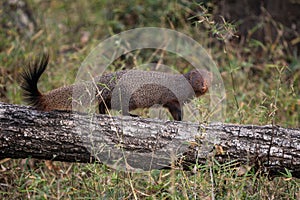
point(30, 77)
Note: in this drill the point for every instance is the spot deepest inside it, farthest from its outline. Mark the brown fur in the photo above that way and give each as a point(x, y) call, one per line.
point(144, 96)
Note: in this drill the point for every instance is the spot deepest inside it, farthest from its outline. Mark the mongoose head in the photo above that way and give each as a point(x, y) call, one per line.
point(200, 80)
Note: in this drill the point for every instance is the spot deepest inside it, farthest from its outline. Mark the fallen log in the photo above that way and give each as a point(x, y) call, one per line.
point(137, 143)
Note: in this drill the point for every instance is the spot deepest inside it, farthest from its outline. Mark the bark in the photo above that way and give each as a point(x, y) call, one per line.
point(137, 143)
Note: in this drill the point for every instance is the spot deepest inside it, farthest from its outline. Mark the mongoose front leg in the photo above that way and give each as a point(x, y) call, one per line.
point(175, 109)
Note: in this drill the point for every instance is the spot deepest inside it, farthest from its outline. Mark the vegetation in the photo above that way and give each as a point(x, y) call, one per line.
point(261, 80)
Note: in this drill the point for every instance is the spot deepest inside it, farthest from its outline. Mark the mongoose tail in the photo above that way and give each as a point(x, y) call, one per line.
point(57, 99)
point(30, 77)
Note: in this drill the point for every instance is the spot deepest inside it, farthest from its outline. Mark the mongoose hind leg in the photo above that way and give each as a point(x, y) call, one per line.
point(104, 106)
point(126, 113)
point(175, 109)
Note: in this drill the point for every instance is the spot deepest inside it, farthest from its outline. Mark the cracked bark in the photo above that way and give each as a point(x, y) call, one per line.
point(136, 143)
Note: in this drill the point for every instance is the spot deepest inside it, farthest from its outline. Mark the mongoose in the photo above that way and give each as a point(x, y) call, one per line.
point(171, 93)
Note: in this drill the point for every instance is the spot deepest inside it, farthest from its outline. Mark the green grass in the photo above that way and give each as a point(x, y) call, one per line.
point(90, 181)
point(259, 91)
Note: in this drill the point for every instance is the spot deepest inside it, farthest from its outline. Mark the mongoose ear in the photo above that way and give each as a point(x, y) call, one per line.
point(195, 77)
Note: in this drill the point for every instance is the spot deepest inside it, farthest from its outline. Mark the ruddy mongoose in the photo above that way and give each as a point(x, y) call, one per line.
point(143, 96)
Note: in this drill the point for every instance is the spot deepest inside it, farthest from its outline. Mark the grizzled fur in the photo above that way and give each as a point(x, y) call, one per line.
point(171, 94)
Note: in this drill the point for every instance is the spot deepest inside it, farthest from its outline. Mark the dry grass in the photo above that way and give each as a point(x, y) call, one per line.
point(262, 86)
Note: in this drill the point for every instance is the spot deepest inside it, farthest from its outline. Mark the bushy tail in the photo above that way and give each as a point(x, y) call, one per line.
point(30, 77)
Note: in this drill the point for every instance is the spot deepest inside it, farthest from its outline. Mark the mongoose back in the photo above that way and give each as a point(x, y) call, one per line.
point(144, 96)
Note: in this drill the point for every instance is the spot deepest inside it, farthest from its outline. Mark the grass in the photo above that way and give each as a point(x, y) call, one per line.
point(262, 87)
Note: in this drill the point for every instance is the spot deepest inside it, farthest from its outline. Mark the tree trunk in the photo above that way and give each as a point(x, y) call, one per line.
point(136, 143)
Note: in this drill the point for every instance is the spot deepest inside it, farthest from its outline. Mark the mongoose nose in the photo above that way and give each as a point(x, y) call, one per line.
point(204, 89)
